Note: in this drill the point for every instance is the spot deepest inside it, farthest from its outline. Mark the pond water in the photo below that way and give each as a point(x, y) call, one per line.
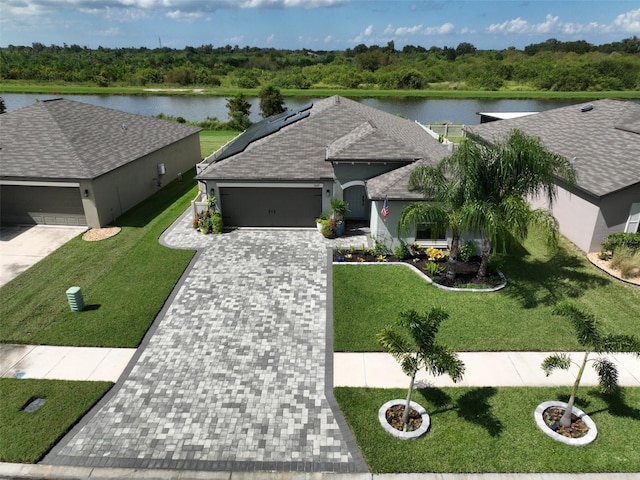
point(197, 108)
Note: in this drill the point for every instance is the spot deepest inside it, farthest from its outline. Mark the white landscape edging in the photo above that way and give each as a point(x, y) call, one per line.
point(588, 438)
point(426, 420)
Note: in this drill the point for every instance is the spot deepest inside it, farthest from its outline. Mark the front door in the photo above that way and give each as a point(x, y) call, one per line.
point(356, 197)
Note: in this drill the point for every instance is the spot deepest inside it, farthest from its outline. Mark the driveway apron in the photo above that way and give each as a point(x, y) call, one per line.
point(235, 374)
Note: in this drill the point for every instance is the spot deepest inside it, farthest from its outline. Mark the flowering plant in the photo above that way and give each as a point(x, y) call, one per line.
point(434, 254)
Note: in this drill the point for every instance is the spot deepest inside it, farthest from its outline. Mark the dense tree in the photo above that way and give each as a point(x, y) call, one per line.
point(271, 101)
point(550, 65)
point(3, 107)
point(239, 111)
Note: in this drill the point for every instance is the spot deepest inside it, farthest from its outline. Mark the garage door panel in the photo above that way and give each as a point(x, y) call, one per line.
point(270, 207)
point(41, 205)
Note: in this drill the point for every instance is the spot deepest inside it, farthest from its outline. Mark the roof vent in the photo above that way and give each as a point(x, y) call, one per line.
point(587, 107)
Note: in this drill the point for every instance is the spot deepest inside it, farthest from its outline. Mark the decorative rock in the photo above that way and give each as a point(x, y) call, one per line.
point(588, 438)
point(426, 420)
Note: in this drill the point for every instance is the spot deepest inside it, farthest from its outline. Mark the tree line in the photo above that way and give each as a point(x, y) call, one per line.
point(551, 65)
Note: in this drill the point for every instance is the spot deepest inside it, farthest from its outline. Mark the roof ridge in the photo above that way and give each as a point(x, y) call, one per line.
point(68, 142)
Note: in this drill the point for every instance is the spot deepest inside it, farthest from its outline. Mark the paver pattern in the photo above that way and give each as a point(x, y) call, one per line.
point(234, 376)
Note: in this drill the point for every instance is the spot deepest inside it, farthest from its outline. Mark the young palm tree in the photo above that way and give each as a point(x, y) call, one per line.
point(590, 337)
point(412, 342)
point(500, 180)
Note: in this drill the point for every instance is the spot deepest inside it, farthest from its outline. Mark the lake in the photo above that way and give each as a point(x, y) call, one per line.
point(424, 110)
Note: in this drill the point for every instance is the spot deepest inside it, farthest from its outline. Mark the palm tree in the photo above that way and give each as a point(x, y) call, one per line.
point(412, 342)
point(499, 180)
point(590, 337)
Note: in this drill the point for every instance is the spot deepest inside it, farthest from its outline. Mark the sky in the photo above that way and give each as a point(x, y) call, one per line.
point(314, 24)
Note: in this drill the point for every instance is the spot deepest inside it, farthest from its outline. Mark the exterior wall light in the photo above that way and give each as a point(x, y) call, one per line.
point(86, 193)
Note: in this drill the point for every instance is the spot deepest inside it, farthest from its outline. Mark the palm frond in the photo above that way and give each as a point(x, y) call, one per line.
point(440, 360)
point(423, 213)
point(607, 374)
point(618, 343)
point(395, 342)
point(583, 323)
point(557, 360)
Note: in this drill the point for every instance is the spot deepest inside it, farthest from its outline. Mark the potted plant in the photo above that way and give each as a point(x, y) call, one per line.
point(323, 216)
point(204, 225)
point(412, 342)
point(339, 210)
point(574, 427)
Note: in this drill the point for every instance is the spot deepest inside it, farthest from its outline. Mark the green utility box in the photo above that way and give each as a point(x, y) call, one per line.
point(76, 302)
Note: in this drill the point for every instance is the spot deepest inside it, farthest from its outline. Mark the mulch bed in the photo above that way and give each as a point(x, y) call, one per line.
point(394, 417)
point(466, 272)
point(553, 415)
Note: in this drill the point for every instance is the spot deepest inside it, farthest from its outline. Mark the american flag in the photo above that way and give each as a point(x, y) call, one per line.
point(385, 209)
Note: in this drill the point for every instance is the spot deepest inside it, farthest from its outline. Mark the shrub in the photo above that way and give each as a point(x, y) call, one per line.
point(617, 240)
point(434, 254)
point(216, 223)
point(380, 248)
point(467, 251)
point(627, 261)
point(433, 268)
point(402, 251)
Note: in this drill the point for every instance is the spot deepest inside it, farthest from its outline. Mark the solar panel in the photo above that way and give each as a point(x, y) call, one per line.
point(264, 128)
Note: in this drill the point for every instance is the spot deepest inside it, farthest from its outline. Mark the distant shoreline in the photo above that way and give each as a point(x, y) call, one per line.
point(200, 91)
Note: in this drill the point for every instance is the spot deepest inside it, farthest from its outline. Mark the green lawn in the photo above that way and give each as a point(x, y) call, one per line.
point(493, 430)
point(27, 436)
point(212, 140)
point(517, 318)
point(125, 281)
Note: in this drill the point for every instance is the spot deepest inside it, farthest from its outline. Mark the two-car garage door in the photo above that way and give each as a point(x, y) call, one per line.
point(270, 206)
point(46, 205)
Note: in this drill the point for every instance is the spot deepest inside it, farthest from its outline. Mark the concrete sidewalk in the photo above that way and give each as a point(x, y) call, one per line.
point(378, 370)
point(483, 369)
point(64, 363)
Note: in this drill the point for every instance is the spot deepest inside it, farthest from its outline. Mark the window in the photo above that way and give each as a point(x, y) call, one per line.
point(429, 233)
point(634, 219)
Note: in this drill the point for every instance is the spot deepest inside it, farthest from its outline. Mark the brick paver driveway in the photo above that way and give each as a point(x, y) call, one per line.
point(235, 373)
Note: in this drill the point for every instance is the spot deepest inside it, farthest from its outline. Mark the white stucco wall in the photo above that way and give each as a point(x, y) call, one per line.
point(576, 217)
point(113, 193)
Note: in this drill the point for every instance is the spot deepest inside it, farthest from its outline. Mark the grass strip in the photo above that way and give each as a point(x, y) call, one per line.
point(212, 140)
point(440, 90)
point(479, 430)
point(517, 318)
point(25, 437)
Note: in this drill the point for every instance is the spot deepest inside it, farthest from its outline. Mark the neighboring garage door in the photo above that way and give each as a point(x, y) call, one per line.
point(270, 207)
point(41, 205)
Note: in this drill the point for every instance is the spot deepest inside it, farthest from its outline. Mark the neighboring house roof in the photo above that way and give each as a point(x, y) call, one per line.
point(336, 129)
point(602, 142)
point(60, 139)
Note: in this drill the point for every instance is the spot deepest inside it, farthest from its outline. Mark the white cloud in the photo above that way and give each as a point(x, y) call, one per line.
point(328, 39)
point(443, 29)
point(184, 16)
point(628, 22)
point(271, 38)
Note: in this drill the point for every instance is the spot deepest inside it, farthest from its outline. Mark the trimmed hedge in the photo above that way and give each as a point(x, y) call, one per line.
point(617, 240)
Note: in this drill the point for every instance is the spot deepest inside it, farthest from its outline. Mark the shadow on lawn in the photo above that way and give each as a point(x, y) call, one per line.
point(617, 405)
point(534, 282)
point(473, 406)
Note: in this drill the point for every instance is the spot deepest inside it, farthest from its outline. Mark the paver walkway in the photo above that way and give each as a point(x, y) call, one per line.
point(233, 374)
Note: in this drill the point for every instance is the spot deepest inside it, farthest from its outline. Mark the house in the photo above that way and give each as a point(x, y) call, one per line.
point(284, 170)
point(64, 162)
point(602, 140)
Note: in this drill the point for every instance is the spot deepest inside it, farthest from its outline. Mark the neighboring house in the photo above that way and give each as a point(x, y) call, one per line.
point(69, 163)
point(602, 140)
point(284, 170)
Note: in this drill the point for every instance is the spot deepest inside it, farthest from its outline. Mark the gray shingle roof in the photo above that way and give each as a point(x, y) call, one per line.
point(64, 139)
point(337, 129)
point(394, 184)
point(605, 141)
